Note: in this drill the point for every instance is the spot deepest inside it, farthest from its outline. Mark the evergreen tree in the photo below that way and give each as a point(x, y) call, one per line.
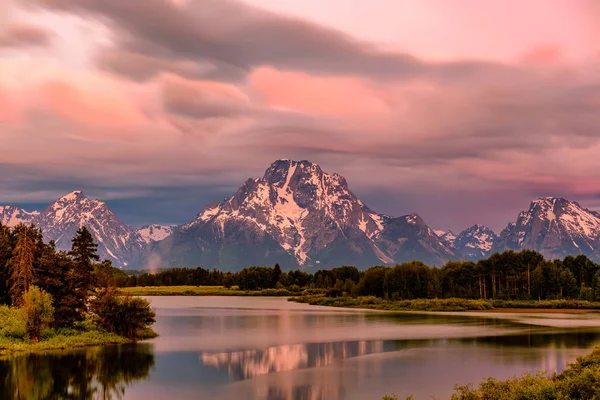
point(84, 252)
point(82, 278)
point(5, 255)
point(21, 264)
point(276, 275)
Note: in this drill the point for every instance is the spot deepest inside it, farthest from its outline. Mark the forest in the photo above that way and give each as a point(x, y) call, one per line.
point(509, 275)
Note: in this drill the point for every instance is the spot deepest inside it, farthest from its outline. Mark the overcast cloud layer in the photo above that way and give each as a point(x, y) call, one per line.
point(463, 114)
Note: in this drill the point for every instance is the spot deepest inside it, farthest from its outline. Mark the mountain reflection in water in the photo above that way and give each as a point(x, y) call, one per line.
point(250, 363)
point(92, 373)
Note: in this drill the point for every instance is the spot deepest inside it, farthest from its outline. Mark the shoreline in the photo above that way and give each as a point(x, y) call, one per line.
point(202, 291)
point(453, 305)
point(9, 347)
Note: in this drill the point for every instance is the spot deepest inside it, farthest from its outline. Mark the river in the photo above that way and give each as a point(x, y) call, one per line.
point(268, 348)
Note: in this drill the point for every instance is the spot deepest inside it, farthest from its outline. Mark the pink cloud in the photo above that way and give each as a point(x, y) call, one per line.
point(10, 111)
point(97, 103)
point(331, 96)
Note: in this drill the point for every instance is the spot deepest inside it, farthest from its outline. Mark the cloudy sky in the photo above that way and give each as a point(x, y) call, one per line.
point(460, 110)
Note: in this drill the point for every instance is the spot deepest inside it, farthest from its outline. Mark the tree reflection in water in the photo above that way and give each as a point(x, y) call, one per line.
point(93, 373)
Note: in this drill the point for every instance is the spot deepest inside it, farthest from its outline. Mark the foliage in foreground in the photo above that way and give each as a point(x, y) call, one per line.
point(581, 380)
point(126, 316)
point(45, 295)
point(37, 305)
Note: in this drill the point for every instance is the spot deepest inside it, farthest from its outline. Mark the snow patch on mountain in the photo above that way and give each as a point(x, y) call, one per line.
point(447, 236)
point(155, 233)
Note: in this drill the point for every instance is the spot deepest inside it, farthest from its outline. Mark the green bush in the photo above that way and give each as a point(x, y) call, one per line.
point(39, 313)
point(13, 323)
point(124, 315)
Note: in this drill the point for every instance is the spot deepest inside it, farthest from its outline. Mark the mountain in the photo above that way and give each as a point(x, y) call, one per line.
point(298, 216)
point(11, 216)
point(59, 221)
point(475, 242)
point(117, 241)
point(155, 233)
point(556, 228)
point(447, 236)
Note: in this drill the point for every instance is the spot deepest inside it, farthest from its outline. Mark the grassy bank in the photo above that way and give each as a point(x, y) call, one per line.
point(375, 303)
point(581, 380)
point(13, 335)
point(201, 291)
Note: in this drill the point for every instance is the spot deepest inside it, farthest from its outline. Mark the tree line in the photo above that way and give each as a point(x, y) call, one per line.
point(514, 275)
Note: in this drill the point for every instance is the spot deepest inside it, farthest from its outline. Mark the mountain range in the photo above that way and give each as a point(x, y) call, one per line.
point(299, 216)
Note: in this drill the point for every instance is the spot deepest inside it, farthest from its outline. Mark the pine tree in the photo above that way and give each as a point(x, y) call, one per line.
point(276, 275)
point(21, 264)
point(82, 278)
point(5, 255)
point(84, 253)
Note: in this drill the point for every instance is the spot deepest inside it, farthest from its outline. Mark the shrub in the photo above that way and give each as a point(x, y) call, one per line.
point(39, 313)
point(124, 315)
point(12, 323)
point(333, 293)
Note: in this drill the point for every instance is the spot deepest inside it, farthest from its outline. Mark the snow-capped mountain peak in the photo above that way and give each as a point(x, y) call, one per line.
point(12, 215)
point(475, 242)
point(555, 227)
point(290, 198)
point(308, 215)
point(116, 241)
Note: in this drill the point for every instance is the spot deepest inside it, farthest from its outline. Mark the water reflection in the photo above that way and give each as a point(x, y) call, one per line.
point(247, 364)
point(251, 363)
point(93, 373)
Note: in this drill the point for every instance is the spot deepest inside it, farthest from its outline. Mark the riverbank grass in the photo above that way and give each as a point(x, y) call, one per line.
point(453, 304)
point(14, 338)
point(201, 291)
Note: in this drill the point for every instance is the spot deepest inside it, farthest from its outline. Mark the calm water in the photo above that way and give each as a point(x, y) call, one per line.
point(268, 348)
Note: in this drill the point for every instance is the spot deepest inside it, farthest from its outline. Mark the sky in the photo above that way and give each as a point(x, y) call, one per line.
point(460, 110)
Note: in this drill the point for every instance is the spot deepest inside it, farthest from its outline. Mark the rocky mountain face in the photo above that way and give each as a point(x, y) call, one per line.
point(155, 233)
point(299, 216)
point(116, 241)
point(556, 228)
point(475, 242)
point(447, 236)
point(11, 215)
